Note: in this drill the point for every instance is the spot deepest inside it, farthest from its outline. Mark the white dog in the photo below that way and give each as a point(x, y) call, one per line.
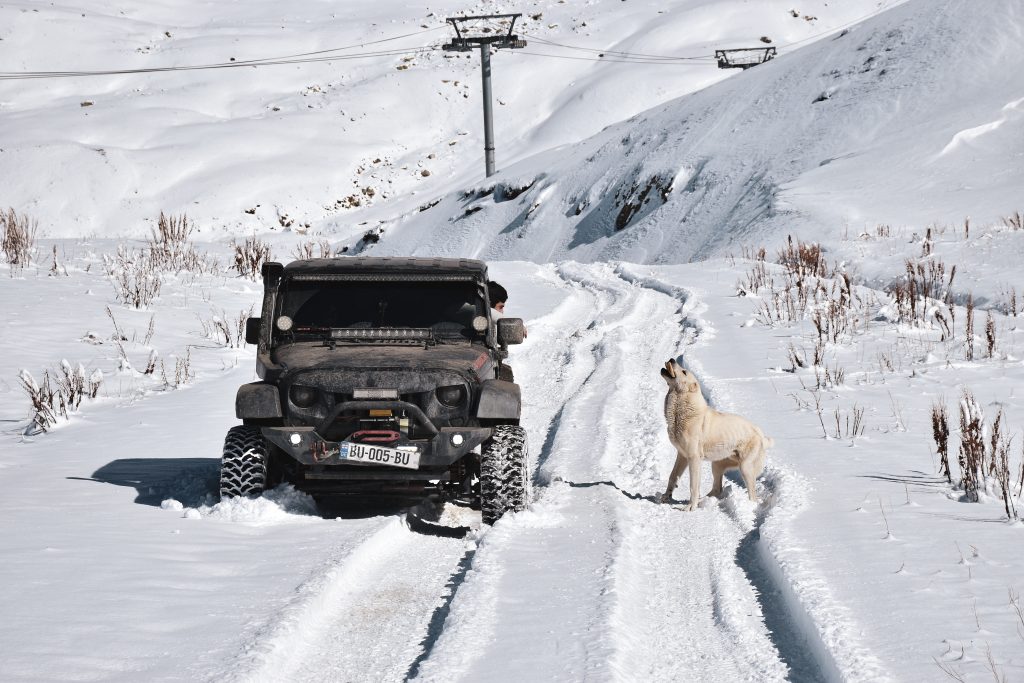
point(699, 432)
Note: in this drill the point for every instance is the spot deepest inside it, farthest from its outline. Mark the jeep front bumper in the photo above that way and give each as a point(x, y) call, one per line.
point(305, 446)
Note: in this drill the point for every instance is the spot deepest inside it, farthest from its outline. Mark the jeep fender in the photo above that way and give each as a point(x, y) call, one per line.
point(499, 400)
point(258, 400)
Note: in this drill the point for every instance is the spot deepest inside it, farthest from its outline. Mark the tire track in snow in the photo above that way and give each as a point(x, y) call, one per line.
point(340, 623)
point(683, 607)
point(806, 627)
point(560, 592)
point(559, 362)
point(364, 617)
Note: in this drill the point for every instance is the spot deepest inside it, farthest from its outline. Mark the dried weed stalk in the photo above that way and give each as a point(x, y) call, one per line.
point(927, 245)
point(183, 373)
point(56, 268)
point(854, 423)
point(924, 296)
point(135, 277)
point(803, 259)
point(171, 250)
point(1010, 305)
point(311, 249)
point(969, 327)
point(990, 334)
point(250, 256)
point(59, 396)
point(1015, 221)
point(757, 278)
point(227, 331)
point(17, 238)
point(972, 445)
point(940, 433)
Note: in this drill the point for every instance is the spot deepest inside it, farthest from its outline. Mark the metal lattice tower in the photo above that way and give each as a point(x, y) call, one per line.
point(487, 39)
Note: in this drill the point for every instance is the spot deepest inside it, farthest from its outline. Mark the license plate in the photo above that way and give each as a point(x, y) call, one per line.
point(378, 455)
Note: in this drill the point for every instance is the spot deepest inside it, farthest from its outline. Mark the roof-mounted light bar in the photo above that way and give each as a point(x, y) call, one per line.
point(384, 277)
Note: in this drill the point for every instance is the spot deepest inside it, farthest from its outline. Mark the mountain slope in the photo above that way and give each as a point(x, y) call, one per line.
point(912, 117)
point(390, 116)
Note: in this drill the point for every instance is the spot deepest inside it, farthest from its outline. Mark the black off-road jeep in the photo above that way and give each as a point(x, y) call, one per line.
point(380, 378)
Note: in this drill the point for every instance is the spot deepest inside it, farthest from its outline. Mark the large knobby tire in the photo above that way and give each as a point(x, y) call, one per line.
point(243, 466)
point(503, 479)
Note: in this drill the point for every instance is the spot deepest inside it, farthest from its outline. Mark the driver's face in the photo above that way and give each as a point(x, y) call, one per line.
point(500, 307)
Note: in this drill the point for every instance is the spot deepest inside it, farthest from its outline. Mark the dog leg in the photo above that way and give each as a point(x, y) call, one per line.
point(673, 479)
point(750, 468)
point(718, 468)
point(695, 482)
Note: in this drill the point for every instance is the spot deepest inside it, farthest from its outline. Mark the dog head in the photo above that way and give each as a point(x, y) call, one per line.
point(678, 379)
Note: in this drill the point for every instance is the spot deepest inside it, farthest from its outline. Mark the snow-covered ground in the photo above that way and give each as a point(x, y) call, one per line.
point(860, 563)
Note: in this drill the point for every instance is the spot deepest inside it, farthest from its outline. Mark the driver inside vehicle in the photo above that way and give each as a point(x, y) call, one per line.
point(498, 295)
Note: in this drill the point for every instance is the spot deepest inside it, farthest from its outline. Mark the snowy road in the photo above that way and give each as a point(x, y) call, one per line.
point(597, 581)
point(646, 591)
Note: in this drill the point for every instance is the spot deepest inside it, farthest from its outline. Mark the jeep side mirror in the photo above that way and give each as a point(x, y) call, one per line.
point(511, 331)
point(252, 330)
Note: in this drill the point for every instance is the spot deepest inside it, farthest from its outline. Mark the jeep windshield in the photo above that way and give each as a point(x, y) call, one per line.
point(326, 308)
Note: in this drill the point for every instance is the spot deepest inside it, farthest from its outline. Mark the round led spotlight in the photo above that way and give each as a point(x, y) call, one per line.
point(457, 439)
point(452, 396)
point(295, 438)
point(284, 323)
point(480, 323)
point(303, 397)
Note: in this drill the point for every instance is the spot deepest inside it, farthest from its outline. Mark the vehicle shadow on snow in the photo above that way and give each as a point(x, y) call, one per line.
point(421, 516)
point(192, 481)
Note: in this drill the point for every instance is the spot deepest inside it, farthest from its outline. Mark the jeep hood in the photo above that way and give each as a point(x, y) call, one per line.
point(381, 364)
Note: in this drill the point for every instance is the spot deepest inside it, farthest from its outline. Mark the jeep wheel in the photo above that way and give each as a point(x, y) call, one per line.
point(243, 466)
point(503, 479)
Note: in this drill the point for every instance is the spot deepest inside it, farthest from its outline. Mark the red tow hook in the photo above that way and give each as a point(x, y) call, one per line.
point(375, 436)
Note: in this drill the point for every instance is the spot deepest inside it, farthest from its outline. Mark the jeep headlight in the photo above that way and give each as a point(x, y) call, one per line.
point(303, 397)
point(453, 396)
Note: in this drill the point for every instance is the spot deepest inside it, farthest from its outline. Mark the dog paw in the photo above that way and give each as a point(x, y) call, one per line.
point(665, 498)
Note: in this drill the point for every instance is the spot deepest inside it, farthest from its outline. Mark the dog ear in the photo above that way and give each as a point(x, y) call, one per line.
point(694, 388)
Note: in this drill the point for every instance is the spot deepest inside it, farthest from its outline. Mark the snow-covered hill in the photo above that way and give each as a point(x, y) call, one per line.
point(253, 149)
point(911, 118)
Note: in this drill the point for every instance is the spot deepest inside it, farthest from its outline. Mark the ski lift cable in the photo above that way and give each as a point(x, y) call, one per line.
point(352, 47)
point(606, 60)
point(299, 58)
point(619, 53)
point(29, 75)
point(318, 56)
